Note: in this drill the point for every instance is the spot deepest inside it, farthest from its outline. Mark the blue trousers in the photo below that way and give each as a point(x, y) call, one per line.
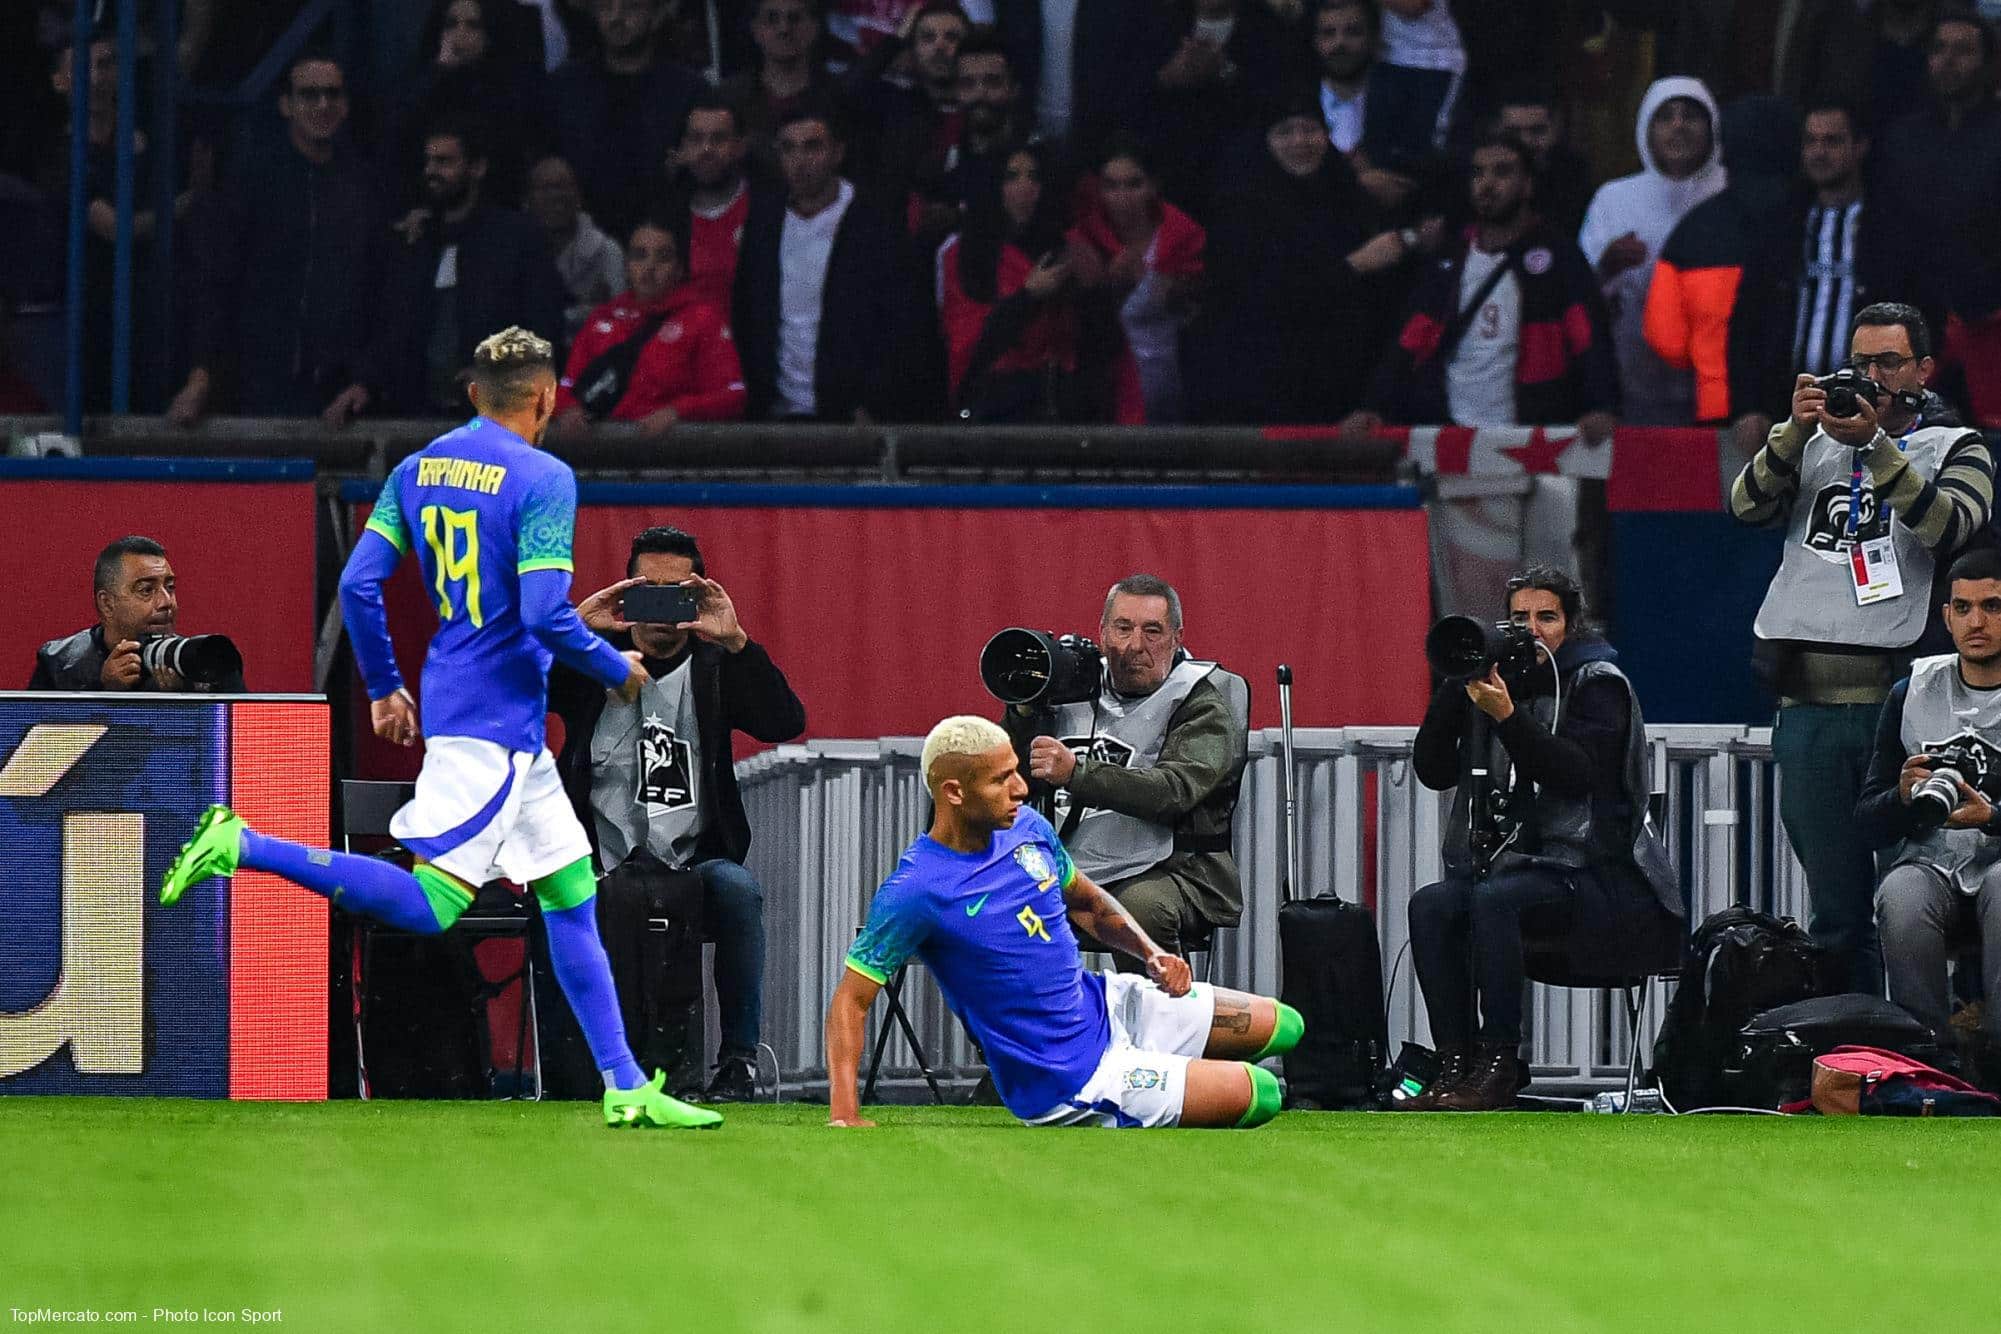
point(733, 911)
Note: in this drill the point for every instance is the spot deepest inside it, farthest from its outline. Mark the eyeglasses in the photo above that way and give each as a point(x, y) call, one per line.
point(1887, 362)
point(319, 93)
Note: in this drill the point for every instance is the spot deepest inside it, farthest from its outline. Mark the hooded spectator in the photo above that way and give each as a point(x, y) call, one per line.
point(1629, 220)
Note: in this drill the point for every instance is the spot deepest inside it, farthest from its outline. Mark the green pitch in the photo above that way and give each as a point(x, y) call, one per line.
point(503, 1217)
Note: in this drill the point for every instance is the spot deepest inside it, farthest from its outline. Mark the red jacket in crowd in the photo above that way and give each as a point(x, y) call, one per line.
point(1176, 252)
point(690, 364)
point(1048, 338)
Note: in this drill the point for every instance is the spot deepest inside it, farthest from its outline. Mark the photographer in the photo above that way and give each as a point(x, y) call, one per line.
point(1566, 852)
point(1144, 777)
point(1944, 882)
point(1879, 486)
point(137, 603)
point(654, 780)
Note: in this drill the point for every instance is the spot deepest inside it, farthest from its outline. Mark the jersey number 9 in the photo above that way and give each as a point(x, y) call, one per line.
point(453, 536)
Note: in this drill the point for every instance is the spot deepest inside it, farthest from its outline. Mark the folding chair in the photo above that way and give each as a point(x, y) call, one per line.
point(366, 808)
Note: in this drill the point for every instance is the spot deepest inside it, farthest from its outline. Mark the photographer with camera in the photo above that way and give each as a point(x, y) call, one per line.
point(1931, 798)
point(1880, 486)
point(1141, 766)
point(1540, 736)
point(134, 646)
point(654, 780)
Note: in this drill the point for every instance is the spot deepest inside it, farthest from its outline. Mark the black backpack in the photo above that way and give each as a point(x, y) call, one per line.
point(1741, 963)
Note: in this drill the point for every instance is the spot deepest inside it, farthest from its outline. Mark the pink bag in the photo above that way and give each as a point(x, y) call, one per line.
point(1869, 1081)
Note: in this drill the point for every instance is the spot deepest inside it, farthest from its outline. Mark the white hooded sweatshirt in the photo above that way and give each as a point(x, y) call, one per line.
point(1649, 205)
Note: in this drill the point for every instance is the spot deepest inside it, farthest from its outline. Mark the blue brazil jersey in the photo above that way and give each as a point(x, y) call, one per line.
point(481, 507)
point(992, 929)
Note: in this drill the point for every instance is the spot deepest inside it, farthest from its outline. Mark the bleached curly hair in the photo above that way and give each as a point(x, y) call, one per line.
point(961, 734)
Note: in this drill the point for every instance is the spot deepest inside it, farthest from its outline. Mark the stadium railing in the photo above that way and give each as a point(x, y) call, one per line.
point(831, 817)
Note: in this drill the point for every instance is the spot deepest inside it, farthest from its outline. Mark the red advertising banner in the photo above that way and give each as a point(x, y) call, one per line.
point(240, 537)
point(877, 612)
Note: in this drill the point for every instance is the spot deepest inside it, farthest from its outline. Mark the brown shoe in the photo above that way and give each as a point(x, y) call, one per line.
point(1454, 1060)
point(1491, 1084)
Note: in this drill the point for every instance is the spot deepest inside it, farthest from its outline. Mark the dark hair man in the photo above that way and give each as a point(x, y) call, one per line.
point(137, 598)
point(471, 266)
point(830, 314)
point(1948, 155)
point(787, 74)
point(653, 779)
point(287, 259)
point(1508, 329)
point(618, 110)
point(1555, 842)
point(1874, 503)
point(712, 189)
point(987, 900)
point(590, 263)
point(491, 519)
point(1143, 778)
point(1943, 885)
point(1563, 177)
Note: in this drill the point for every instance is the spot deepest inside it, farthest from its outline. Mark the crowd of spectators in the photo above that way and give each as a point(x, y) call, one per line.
point(1144, 211)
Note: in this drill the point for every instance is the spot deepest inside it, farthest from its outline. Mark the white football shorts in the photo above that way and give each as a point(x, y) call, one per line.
point(483, 812)
point(1140, 1082)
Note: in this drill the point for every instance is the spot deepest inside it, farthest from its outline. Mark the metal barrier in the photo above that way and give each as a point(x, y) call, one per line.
point(831, 817)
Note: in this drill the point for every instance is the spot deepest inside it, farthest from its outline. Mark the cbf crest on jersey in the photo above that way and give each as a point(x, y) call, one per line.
point(1827, 532)
point(665, 768)
point(1033, 860)
point(1097, 749)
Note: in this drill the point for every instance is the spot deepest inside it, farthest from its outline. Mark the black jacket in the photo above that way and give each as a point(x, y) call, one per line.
point(743, 692)
point(1109, 89)
point(505, 276)
point(878, 348)
point(1284, 318)
point(287, 258)
point(76, 662)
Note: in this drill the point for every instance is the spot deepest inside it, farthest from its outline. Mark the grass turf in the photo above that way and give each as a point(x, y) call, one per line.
point(438, 1216)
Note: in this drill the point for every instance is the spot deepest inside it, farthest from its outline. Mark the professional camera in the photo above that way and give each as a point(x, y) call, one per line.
point(200, 660)
point(1460, 648)
point(1035, 667)
point(1846, 388)
point(1962, 759)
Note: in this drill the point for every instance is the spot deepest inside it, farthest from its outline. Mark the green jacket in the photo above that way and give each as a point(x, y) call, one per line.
point(1193, 788)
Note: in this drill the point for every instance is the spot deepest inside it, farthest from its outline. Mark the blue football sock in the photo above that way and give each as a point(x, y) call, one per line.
point(584, 973)
point(366, 885)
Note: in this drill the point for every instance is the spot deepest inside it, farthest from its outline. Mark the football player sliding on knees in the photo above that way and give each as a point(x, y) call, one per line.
point(490, 519)
point(987, 901)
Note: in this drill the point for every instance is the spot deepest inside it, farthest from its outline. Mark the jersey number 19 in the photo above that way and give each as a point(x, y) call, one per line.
point(453, 536)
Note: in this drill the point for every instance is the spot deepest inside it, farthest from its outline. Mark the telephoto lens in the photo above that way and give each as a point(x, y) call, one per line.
point(1021, 666)
point(1935, 798)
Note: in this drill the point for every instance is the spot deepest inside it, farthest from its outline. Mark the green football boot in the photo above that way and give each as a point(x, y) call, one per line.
point(211, 850)
point(649, 1107)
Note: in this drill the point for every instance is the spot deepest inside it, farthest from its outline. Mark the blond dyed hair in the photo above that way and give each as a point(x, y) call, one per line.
point(961, 734)
point(506, 366)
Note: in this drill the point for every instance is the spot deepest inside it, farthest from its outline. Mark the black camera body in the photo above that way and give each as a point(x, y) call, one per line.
point(1461, 649)
point(1964, 759)
point(1846, 389)
point(1041, 668)
point(199, 660)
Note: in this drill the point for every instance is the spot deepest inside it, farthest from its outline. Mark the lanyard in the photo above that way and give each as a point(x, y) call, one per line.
point(1855, 480)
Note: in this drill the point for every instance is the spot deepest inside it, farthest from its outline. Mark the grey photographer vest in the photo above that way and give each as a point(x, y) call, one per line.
point(1105, 845)
point(646, 773)
point(1812, 598)
point(1565, 827)
point(1939, 706)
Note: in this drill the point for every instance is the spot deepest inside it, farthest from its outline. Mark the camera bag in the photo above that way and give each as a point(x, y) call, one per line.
point(1775, 1052)
point(1741, 962)
point(1334, 978)
point(651, 925)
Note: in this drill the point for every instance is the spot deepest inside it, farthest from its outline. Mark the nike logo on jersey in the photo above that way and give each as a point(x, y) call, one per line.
point(973, 908)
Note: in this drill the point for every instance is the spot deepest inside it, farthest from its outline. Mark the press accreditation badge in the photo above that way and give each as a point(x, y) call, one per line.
point(1873, 566)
